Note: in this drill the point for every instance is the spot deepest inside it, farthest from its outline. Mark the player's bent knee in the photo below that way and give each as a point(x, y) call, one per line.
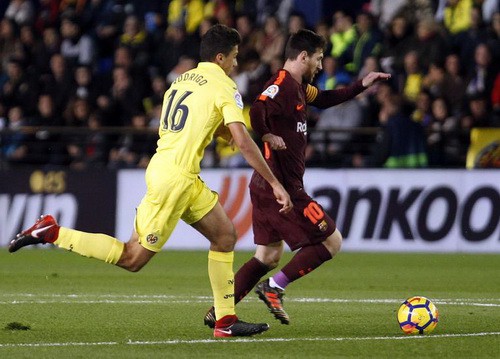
point(334, 242)
point(134, 257)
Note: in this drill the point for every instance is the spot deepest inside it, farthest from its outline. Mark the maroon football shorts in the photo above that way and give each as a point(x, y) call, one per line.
point(306, 224)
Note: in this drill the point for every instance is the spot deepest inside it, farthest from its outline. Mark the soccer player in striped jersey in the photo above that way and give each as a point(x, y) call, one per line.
point(279, 117)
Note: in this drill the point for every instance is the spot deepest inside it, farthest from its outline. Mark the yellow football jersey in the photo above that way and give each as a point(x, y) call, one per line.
point(196, 103)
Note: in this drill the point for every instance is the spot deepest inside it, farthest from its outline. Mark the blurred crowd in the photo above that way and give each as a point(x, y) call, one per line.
point(93, 64)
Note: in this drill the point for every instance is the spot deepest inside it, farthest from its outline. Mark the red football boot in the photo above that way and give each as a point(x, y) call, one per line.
point(45, 230)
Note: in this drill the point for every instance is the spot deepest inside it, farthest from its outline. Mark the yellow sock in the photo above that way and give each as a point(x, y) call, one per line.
point(92, 245)
point(220, 272)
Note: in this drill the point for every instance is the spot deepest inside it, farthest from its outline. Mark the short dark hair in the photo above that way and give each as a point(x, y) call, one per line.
point(303, 40)
point(218, 39)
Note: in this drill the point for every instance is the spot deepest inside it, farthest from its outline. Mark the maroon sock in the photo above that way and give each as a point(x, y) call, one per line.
point(305, 261)
point(247, 277)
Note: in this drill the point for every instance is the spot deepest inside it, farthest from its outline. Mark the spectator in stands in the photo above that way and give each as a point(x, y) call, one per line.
point(477, 113)
point(174, 45)
point(457, 17)
point(331, 74)
point(272, 43)
point(135, 37)
point(481, 76)
point(8, 42)
point(84, 85)
point(49, 46)
point(386, 10)
point(434, 80)
point(134, 149)
point(454, 87)
point(92, 152)
point(385, 93)
point(322, 28)
point(14, 145)
point(76, 114)
point(428, 43)
point(185, 64)
point(186, 13)
point(443, 141)
point(124, 100)
point(104, 20)
point(251, 36)
point(22, 12)
point(402, 143)
point(29, 44)
point(123, 57)
point(46, 112)
point(343, 35)
point(395, 45)
point(466, 41)
point(251, 77)
point(220, 10)
point(493, 40)
point(410, 82)
point(158, 87)
point(76, 47)
point(422, 109)
point(368, 42)
point(415, 11)
point(281, 9)
point(296, 21)
point(47, 15)
point(489, 8)
point(75, 6)
point(58, 82)
point(50, 144)
point(19, 89)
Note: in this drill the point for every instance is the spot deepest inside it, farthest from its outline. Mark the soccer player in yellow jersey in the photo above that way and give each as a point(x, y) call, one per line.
point(200, 103)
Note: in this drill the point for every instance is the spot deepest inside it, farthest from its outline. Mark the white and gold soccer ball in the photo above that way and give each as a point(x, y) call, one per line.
point(417, 315)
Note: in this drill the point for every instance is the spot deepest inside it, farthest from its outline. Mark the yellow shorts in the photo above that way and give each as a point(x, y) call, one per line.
point(172, 194)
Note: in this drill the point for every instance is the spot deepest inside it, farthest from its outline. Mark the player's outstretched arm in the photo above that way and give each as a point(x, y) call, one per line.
point(252, 154)
point(374, 77)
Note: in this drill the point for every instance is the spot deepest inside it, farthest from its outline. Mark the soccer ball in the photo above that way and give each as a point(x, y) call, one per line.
point(417, 315)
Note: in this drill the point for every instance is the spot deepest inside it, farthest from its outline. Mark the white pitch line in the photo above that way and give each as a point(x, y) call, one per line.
point(248, 340)
point(171, 299)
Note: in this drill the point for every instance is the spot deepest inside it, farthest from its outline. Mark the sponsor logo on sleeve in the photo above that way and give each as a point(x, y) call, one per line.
point(238, 99)
point(271, 91)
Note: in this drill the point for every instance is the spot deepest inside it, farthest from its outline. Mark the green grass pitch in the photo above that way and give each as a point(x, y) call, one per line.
point(55, 304)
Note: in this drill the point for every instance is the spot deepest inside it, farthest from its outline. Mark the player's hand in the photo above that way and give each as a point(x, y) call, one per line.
point(283, 198)
point(276, 142)
point(373, 77)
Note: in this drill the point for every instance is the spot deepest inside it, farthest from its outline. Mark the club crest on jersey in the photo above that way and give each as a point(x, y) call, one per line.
point(238, 99)
point(151, 238)
point(323, 226)
point(271, 91)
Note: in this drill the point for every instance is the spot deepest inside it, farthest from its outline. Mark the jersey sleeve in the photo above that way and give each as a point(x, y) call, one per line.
point(230, 104)
point(329, 98)
point(270, 102)
point(258, 118)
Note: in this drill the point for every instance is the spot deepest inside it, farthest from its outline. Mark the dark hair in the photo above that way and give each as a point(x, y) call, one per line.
point(218, 39)
point(303, 40)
